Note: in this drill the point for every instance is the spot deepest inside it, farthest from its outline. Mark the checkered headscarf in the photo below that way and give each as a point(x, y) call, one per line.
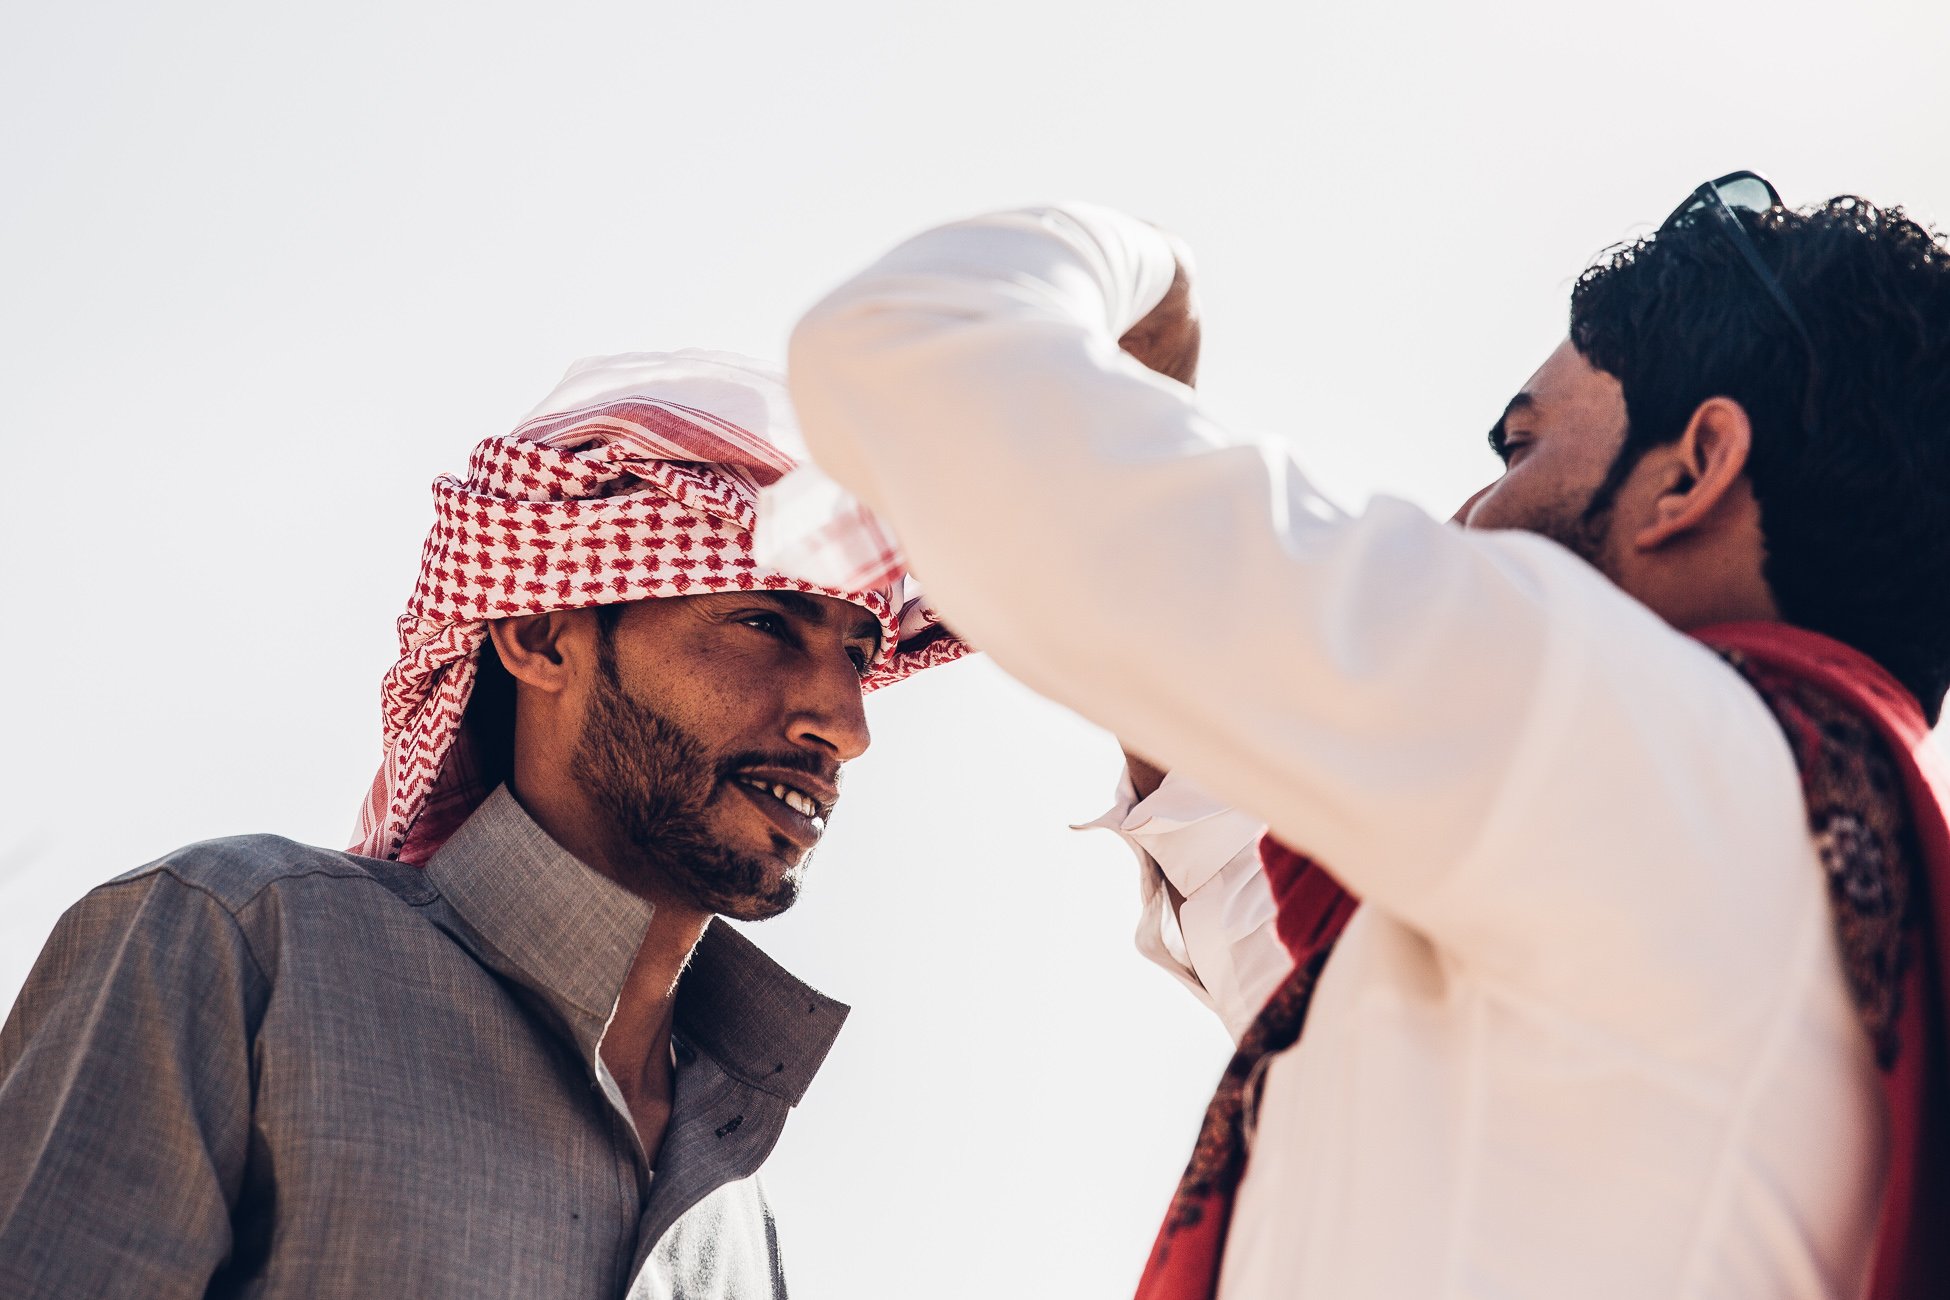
point(638, 477)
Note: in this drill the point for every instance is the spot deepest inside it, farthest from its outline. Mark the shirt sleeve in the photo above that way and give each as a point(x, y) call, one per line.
point(1220, 941)
point(125, 1096)
point(1424, 707)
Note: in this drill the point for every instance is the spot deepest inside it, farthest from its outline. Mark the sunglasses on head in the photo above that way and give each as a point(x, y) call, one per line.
point(1715, 204)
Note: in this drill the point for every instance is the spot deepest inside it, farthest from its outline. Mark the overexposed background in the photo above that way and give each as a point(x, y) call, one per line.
point(266, 269)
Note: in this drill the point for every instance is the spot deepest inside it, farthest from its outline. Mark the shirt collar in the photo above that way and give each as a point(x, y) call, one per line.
point(568, 934)
point(742, 1009)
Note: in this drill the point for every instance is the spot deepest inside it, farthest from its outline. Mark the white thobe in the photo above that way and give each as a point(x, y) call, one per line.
point(1589, 1034)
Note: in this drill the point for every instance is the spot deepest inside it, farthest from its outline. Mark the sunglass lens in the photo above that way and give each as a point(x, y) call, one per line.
point(1748, 192)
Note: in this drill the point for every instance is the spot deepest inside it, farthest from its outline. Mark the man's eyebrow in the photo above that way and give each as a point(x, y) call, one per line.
point(802, 606)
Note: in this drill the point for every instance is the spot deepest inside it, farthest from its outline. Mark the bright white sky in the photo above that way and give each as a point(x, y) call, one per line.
point(265, 270)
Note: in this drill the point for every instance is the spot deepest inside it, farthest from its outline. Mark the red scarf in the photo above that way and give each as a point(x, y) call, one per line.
point(1847, 720)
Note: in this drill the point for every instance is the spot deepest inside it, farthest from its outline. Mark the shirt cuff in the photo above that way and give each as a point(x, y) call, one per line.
point(1188, 833)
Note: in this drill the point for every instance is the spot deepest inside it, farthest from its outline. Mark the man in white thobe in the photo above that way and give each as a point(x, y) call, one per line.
point(1589, 1035)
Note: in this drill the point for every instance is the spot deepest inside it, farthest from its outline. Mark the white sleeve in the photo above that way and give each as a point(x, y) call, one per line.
point(1406, 698)
point(1220, 942)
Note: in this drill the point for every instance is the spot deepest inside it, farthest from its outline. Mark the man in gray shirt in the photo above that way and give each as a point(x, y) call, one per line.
point(503, 1047)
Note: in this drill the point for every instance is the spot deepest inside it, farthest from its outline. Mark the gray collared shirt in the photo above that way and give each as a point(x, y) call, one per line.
point(256, 1068)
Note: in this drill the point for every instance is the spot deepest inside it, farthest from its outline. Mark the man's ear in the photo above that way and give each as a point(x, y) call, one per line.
point(531, 648)
point(1703, 472)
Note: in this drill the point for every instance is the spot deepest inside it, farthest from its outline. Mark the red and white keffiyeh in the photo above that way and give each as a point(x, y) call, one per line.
point(811, 526)
point(638, 477)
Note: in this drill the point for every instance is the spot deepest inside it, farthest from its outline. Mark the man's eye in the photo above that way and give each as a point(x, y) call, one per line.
point(862, 661)
point(771, 624)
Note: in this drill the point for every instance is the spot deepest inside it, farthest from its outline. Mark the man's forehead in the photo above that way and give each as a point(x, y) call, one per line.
point(1565, 383)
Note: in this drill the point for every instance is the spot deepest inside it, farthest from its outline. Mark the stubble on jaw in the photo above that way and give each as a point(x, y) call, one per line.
point(654, 783)
point(1581, 528)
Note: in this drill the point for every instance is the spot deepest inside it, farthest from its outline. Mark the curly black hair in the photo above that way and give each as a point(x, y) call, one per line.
point(1855, 510)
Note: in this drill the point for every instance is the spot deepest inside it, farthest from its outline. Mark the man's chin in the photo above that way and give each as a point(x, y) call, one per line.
point(776, 898)
point(752, 885)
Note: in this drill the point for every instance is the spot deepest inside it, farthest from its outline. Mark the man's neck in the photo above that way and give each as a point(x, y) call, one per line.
point(636, 1046)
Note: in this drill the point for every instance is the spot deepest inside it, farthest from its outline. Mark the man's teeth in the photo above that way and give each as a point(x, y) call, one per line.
point(785, 794)
point(796, 801)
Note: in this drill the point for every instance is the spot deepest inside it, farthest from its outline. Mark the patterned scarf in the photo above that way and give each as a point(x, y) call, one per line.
point(1876, 800)
point(638, 478)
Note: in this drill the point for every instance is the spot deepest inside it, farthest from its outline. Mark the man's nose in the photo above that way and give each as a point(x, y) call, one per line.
point(831, 716)
point(1462, 512)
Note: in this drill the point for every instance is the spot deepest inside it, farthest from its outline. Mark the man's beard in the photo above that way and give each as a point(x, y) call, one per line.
point(655, 783)
point(1580, 528)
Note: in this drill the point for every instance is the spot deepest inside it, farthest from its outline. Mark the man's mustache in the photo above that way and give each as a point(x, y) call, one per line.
point(793, 760)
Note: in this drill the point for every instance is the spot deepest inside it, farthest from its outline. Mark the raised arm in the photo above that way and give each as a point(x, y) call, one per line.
point(1428, 710)
point(1294, 660)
